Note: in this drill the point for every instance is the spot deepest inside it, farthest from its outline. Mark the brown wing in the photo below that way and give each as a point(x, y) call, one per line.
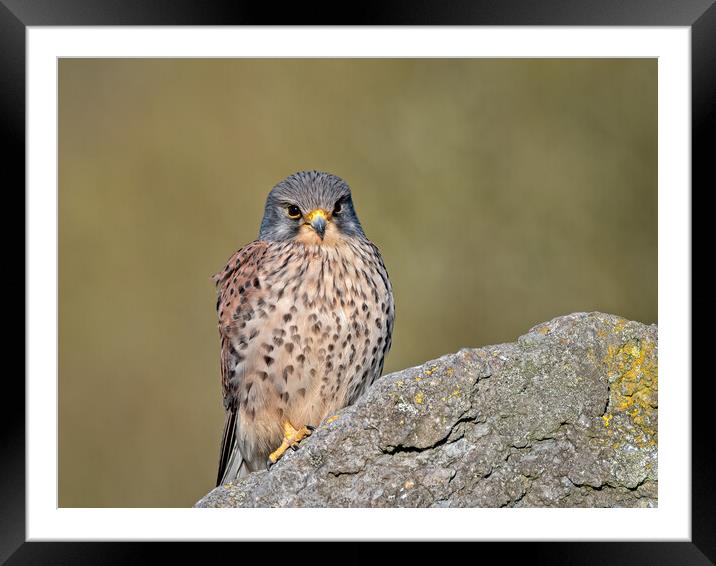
point(237, 284)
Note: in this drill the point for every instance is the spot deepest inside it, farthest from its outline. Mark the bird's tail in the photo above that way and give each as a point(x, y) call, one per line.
point(231, 463)
point(235, 467)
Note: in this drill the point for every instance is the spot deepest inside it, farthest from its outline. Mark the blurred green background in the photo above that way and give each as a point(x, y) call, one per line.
point(502, 193)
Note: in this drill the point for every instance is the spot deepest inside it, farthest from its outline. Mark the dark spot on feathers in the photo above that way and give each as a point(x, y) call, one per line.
point(288, 370)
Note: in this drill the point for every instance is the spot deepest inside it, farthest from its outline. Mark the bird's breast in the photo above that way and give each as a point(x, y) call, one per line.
point(319, 339)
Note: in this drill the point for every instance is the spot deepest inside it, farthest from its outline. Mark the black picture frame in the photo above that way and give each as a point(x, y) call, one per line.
point(17, 15)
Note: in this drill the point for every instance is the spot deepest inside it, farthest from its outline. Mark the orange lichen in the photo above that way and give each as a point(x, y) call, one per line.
point(632, 370)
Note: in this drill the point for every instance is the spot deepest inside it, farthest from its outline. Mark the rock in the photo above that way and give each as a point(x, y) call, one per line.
point(564, 417)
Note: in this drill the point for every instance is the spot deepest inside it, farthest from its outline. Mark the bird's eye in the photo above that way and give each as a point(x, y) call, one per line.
point(337, 209)
point(294, 211)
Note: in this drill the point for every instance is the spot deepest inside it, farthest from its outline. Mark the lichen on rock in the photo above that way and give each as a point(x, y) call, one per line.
point(564, 417)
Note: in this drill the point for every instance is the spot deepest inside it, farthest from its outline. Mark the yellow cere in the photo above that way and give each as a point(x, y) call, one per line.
point(316, 213)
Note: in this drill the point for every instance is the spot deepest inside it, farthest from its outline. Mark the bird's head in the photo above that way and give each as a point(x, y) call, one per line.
point(310, 207)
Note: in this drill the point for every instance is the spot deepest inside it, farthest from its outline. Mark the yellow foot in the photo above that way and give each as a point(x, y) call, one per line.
point(291, 438)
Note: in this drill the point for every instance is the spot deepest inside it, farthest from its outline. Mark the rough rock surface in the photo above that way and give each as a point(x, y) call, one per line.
point(564, 417)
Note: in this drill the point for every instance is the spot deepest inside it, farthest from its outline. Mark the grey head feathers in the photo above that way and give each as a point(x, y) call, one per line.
point(308, 191)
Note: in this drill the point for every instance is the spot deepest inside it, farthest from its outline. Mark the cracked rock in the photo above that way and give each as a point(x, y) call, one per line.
point(564, 417)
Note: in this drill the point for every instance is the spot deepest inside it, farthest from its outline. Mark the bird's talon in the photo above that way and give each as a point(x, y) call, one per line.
point(291, 439)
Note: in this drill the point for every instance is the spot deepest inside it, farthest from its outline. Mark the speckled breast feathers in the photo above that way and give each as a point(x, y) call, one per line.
point(304, 330)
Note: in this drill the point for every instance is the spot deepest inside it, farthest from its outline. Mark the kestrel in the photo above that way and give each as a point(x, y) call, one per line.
point(305, 319)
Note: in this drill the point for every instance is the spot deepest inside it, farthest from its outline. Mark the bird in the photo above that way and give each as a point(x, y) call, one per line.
point(305, 316)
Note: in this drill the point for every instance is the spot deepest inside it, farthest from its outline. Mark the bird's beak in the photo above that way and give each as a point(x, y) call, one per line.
point(318, 219)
